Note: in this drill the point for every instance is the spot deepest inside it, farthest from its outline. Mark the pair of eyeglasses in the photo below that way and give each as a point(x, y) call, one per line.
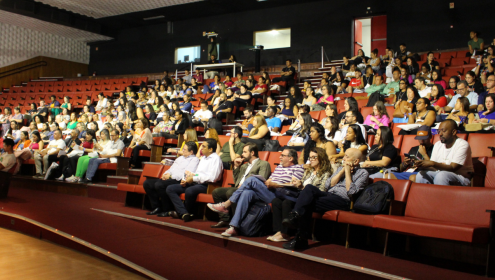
point(313, 158)
point(282, 155)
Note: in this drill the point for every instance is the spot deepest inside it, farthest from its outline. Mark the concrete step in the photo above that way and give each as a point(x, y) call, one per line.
point(114, 180)
point(105, 185)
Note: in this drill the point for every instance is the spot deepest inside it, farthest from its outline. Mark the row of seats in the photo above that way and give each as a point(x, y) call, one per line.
point(425, 210)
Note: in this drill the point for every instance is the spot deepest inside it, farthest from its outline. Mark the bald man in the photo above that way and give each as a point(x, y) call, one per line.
point(345, 181)
point(450, 162)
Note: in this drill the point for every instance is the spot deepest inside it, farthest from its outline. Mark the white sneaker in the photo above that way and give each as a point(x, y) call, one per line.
point(53, 166)
point(61, 178)
point(73, 179)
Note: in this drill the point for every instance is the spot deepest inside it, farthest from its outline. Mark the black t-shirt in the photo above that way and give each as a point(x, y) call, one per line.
point(43, 109)
point(287, 69)
point(367, 80)
point(345, 67)
point(414, 151)
point(225, 105)
point(477, 87)
point(431, 66)
point(389, 151)
point(247, 93)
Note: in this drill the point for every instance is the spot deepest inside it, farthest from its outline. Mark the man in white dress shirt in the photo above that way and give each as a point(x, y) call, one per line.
point(209, 170)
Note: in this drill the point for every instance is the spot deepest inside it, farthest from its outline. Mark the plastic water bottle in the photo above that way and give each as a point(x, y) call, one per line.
point(192, 111)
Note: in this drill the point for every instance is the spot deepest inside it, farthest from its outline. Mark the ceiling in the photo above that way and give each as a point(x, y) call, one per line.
point(51, 28)
point(107, 8)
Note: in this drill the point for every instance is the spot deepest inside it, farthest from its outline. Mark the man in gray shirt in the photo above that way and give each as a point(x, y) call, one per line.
point(156, 188)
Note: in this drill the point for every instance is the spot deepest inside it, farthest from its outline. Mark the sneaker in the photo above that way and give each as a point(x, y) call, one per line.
point(61, 178)
point(230, 232)
point(72, 180)
point(50, 169)
point(85, 181)
point(219, 208)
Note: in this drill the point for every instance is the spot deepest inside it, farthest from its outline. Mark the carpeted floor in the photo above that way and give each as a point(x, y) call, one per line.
point(177, 254)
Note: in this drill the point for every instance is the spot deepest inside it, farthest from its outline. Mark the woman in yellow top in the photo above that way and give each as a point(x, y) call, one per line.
point(260, 129)
point(189, 136)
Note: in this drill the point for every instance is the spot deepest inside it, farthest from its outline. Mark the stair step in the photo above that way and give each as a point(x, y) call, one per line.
point(109, 186)
point(114, 180)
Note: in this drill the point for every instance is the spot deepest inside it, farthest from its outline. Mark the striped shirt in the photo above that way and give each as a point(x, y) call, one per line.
point(284, 174)
point(359, 181)
point(181, 165)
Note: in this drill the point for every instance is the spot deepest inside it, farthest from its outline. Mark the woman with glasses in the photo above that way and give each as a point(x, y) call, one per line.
point(316, 173)
point(438, 99)
point(379, 117)
point(424, 115)
point(452, 86)
point(487, 116)
point(490, 88)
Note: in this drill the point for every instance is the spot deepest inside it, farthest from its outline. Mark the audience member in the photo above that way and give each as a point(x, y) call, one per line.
point(346, 181)
point(379, 117)
point(202, 116)
point(461, 113)
point(316, 173)
point(287, 74)
point(223, 107)
point(209, 170)
point(142, 140)
point(290, 111)
point(450, 162)
point(462, 91)
point(295, 94)
point(383, 154)
point(475, 44)
point(254, 189)
point(393, 86)
point(423, 90)
point(474, 85)
point(490, 88)
point(7, 159)
point(350, 104)
point(300, 136)
point(48, 156)
point(438, 99)
point(274, 124)
point(353, 138)
point(317, 139)
point(241, 172)
point(430, 63)
point(488, 115)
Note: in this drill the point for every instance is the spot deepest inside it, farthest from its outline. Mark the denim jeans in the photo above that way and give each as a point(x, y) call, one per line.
point(93, 166)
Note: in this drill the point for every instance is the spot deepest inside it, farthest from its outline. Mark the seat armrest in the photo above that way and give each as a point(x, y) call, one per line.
point(212, 187)
point(397, 208)
point(492, 151)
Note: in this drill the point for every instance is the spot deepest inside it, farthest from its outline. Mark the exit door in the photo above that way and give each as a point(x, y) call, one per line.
point(369, 34)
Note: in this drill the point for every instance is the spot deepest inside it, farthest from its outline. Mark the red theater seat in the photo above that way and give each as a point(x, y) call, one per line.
point(479, 144)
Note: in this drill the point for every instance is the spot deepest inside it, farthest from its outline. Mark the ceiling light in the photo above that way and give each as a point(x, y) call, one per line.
point(274, 32)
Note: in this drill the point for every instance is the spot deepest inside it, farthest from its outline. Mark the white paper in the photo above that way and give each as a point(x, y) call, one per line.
point(62, 153)
point(409, 127)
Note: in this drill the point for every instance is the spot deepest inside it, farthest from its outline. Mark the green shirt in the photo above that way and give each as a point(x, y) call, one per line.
point(225, 157)
point(394, 85)
point(475, 45)
point(374, 88)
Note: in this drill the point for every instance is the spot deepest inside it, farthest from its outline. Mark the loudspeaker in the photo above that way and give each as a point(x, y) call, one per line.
point(170, 27)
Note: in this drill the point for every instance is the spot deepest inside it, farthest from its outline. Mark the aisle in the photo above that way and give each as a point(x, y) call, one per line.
point(25, 257)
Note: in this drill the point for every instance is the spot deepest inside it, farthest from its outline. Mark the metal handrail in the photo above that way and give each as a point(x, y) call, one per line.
point(21, 68)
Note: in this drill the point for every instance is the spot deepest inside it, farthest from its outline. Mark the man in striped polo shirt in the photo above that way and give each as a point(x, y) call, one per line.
point(255, 189)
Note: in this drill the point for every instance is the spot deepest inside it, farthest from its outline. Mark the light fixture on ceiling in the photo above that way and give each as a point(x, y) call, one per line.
point(152, 18)
point(274, 32)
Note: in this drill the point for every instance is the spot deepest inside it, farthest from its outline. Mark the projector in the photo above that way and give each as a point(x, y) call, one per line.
point(258, 47)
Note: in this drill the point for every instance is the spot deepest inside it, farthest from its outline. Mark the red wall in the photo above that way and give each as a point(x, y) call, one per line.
point(358, 35)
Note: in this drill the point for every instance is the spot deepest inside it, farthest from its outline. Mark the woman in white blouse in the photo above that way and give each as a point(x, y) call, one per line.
point(142, 140)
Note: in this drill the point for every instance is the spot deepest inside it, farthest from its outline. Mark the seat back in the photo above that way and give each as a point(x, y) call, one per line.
point(283, 140)
point(479, 144)
point(274, 159)
point(408, 142)
point(436, 137)
point(490, 172)
point(158, 141)
point(150, 170)
point(263, 155)
point(223, 139)
point(365, 111)
point(450, 204)
point(227, 178)
point(315, 114)
point(401, 188)
point(398, 141)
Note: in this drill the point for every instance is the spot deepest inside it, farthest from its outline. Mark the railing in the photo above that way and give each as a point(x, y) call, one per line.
point(323, 55)
point(23, 68)
point(183, 68)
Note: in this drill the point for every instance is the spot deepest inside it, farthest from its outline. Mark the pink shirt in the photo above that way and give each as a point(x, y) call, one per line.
point(329, 99)
point(384, 120)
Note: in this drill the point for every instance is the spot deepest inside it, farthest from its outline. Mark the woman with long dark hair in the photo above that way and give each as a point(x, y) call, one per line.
point(353, 139)
point(436, 78)
point(296, 95)
point(488, 115)
point(317, 139)
point(461, 113)
point(383, 154)
point(350, 104)
point(290, 111)
point(438, 99)
point(424, 115)
point(452, 86)
point(332, 131)
point(412, 97)
point(412, 67)
point(301, 135)
point(473, 83)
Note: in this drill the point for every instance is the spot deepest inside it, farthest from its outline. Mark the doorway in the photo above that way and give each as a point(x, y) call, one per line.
point(370, 33)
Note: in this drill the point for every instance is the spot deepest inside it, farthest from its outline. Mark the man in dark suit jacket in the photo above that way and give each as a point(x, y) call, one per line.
point(253, 166)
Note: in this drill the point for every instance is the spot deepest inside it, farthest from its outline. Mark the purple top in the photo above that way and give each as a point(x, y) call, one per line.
point(384, 120)
point(490, 116)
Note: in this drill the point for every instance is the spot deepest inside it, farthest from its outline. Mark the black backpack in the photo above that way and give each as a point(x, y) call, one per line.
point(375, 199)
point(374, 97)
point(257, 221)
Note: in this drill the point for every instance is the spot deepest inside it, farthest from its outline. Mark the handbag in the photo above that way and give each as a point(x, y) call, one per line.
point(271, 145)
point(400, 111)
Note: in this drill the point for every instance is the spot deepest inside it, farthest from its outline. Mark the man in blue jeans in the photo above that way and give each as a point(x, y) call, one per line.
point(109, 154)
point(254, 189)
point(210, 169)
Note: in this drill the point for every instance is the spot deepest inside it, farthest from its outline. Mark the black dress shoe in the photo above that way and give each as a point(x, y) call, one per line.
point(297, 243)
point(221, 224)
point(292, 221)
point(187, 217)
point(173, 214)
point(85, 181)
point(162, 214)
point(154, 212)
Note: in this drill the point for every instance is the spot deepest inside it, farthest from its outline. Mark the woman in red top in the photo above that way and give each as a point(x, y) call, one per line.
point(438, 99)
point(261, 87)
point(452, 86)
point(228, 82)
